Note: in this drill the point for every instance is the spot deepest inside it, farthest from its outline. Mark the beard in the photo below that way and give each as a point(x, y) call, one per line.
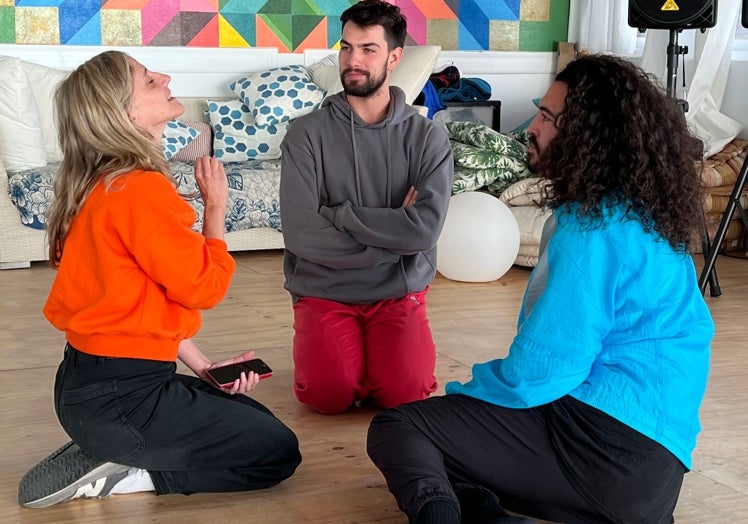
point(364, 88)
point(533, 157)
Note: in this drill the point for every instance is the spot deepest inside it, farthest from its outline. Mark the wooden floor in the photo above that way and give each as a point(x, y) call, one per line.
point(336, 483)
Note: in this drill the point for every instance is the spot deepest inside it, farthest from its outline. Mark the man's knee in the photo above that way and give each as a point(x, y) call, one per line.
point(381, 430)
point(328, 396)
point(393, 390)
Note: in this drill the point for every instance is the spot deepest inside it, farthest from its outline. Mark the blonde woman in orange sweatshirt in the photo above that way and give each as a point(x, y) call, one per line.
point(132, 277)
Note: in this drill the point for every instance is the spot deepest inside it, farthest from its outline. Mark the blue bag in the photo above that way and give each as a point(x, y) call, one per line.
point(466, 90)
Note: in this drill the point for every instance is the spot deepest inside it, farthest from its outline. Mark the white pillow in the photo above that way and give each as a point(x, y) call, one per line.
point(530, 220)
point(278, 95)
point(410, 75)
point(21, 139)
point(525, 192)
point(44, 81)
point(326, 74)
point(176, 136)
point(236, 137)
point(414, 69)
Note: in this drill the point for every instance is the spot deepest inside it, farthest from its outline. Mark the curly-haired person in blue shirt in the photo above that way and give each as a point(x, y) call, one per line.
point(593, 414)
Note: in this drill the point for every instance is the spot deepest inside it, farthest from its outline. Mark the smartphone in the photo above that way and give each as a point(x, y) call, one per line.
point(226, 375)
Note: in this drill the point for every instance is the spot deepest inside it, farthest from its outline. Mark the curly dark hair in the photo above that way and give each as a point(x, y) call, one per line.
point(368, 13)
point(622, 140)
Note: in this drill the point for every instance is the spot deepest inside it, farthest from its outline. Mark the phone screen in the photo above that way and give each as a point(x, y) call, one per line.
point(228, 374)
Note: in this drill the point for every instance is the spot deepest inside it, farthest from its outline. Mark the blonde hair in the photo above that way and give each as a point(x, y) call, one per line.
point(97, 139)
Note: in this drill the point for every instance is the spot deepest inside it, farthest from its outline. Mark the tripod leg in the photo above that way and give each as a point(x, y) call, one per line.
point(719, 237)
point(714, 289)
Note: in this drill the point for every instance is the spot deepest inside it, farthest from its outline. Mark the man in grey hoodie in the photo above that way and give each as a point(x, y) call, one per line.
point(365, 185)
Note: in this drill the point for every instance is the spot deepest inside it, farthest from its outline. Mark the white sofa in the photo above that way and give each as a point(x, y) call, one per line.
point(20, 245)
point(197, 75)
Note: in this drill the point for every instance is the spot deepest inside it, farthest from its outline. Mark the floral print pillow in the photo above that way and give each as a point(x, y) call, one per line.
point(31, 193)
point(485, 158)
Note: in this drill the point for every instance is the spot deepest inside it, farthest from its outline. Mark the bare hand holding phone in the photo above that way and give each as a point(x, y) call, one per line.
point(237, 377)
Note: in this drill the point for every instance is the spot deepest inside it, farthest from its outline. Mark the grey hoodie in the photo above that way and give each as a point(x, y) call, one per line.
point(346, 234)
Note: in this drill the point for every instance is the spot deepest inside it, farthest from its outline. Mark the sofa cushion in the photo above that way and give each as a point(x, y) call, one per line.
point(43, 81)
point(237, 137)
point(21, 138)
point(252, 194)
point(31, 191)
point(326, 74)
point(526, 192)
point(278, 95)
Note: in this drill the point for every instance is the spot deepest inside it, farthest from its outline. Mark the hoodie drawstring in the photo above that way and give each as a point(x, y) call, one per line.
point(389, 169)
point(355, 162)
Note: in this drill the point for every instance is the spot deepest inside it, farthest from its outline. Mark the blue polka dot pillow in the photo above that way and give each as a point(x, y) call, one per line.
point(237, 137)
point(176, 136)
point(278, 95)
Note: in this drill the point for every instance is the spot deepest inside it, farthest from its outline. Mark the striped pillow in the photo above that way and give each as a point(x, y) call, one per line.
point(200, 146)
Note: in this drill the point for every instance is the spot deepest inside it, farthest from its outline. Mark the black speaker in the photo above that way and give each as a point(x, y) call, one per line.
point(673, 14)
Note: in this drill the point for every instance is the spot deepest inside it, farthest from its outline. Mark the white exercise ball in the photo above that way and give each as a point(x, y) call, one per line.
point(480, 238)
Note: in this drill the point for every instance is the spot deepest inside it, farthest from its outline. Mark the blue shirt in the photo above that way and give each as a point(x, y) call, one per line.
point(619, 324)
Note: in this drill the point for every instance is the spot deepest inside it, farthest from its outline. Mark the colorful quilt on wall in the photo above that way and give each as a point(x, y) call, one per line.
point(289, 25)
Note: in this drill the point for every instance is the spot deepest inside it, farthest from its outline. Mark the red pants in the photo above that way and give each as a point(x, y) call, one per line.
point(346, 353)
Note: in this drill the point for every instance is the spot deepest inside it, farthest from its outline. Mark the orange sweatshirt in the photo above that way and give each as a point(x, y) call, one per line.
point(134, 276)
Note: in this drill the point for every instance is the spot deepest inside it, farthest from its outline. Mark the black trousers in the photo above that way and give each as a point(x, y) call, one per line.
point(188, 435)
point(430, 449)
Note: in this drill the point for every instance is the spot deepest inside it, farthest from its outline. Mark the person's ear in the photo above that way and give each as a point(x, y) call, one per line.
point(395, 57)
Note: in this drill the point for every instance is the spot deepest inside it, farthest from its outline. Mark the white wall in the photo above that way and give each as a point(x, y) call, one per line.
point(198, 72)
point(515, 77)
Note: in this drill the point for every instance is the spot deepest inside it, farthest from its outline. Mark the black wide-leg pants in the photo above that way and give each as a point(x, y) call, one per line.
point(188, 435)
point(429, 449)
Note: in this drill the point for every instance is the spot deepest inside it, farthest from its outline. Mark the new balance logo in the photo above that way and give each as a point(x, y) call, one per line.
point(91, 490)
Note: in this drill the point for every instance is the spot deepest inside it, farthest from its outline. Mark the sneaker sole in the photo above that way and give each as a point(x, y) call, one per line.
point(56, 478)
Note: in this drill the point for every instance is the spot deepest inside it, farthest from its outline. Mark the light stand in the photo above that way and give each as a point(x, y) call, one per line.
point(673, 52)
point(700, 15)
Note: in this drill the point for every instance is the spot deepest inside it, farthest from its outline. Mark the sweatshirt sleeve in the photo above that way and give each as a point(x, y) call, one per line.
point(410, 230)
point(155, 227)
point(306, 233)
